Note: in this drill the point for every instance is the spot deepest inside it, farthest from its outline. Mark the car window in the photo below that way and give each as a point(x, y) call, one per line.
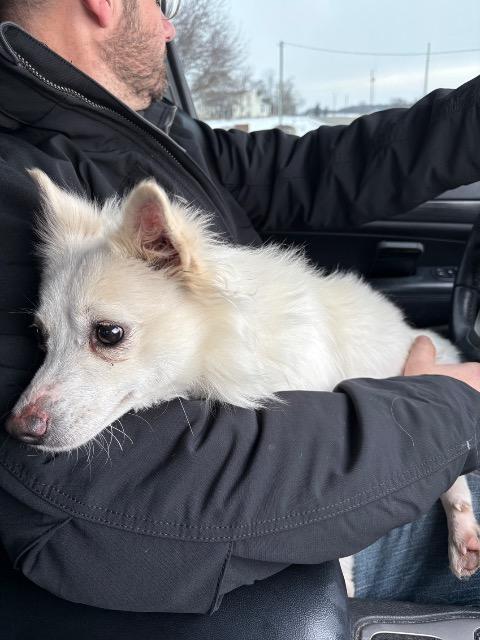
point(255, 65)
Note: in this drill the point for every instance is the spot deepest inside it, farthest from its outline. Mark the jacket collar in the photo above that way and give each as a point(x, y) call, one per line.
point(41, 89)
point(27, 65)
point(161, 114)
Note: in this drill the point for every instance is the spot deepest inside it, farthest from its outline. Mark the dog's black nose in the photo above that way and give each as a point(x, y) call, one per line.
point(30, 428)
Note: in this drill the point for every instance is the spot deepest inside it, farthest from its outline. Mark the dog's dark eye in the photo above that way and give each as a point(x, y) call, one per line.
point(40, 337)
point(109, 334)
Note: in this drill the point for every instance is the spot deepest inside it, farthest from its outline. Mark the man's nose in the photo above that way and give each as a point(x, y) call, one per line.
point(170, 31)
point(30, 425)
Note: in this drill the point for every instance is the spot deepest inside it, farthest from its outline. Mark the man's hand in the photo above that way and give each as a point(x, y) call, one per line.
point(421, 361)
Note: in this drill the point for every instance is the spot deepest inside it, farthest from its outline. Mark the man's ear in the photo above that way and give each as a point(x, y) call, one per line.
point(159, 232)
point(101, 11)
point(66, 219)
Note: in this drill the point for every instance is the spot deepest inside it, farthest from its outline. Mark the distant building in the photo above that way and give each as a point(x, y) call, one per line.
point(240, 104)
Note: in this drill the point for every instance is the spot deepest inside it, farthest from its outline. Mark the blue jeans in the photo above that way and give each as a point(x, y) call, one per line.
point(411, 562)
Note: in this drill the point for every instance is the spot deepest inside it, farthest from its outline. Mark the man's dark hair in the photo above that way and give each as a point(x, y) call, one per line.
point(20, 9)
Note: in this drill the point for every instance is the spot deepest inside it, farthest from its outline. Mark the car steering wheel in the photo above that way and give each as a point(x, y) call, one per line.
point(465, 322)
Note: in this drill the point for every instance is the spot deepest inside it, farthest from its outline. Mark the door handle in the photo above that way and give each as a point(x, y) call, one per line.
point(396, 259)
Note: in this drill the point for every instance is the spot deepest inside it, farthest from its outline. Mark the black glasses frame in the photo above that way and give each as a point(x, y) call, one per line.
point(170, 8)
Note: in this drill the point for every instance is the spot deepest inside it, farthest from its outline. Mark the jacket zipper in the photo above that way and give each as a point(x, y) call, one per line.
point(205, 183)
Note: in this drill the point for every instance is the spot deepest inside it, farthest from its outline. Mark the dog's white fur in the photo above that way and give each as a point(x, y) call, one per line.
point(202, 318)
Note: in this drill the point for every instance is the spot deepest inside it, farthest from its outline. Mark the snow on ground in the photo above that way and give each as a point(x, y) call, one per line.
point(292, 124)
point(296, 124)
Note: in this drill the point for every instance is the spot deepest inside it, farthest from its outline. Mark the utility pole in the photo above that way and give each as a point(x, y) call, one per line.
point(372, 87)
point(280, 84)
point(334, 101)
point(427, 70)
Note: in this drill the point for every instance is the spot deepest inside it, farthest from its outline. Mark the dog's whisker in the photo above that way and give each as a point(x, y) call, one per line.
point(30, 301)
point(122, 431)
point(27, 312)
point(114, 437)
point(84, 449)
point(186, 417)
point(136, 415)
point(96, 441)
point(105, 448)
point(88, 449)
point(183, 409)
point(108, 444)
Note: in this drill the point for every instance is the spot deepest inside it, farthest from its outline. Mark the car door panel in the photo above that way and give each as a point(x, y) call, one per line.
point(411, 258)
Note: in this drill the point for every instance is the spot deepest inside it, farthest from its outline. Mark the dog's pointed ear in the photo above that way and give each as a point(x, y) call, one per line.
point(159, 232)
point(50, 192)
point(66, 218)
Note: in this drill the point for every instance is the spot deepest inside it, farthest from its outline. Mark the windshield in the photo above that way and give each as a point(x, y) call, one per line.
point(255, 65)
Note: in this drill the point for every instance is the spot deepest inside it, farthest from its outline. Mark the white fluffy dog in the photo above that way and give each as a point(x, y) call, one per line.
point(141, 303)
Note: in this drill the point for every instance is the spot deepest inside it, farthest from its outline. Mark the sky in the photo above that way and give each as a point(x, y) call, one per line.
point(361, 25)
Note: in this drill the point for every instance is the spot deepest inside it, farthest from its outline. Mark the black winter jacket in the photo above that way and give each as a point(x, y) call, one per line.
point(176, 520)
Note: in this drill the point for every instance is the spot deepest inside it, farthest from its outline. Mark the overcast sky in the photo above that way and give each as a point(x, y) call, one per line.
point(361, 25)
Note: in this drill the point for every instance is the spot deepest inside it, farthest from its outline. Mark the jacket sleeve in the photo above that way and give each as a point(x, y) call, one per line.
point(195, 504)
point(196, 500)
point(380, 165)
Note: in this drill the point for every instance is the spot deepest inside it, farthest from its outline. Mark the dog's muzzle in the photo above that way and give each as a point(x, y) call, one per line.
point(29, 426)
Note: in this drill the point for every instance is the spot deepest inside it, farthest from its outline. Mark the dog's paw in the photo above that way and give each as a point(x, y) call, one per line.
point(464, 542)
point(350, 588)
point(347, 570)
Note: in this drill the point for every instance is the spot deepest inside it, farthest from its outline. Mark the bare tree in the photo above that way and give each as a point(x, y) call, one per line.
point(268, 88)
point(212, 52)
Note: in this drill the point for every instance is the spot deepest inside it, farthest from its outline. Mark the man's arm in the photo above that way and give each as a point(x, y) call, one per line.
point(176, 519)
point(381, 165)
point(195, 507)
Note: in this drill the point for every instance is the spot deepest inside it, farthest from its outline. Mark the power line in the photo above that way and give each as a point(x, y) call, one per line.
point(379, 53)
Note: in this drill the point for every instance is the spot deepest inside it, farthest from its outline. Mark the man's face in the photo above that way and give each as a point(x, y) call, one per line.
point(136, 51)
